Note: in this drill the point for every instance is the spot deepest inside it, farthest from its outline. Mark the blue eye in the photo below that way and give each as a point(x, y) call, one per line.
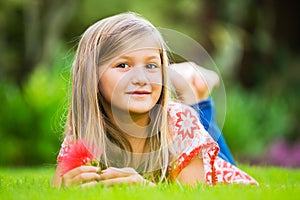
point(151, 66)
point(123, 65)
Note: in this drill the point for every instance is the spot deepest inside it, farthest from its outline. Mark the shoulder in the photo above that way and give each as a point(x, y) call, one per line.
point(186, 131)
point(183, 120)
point(175, 107)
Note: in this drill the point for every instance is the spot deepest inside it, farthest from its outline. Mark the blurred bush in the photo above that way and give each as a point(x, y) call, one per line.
point(253, 121)
point(32, 117)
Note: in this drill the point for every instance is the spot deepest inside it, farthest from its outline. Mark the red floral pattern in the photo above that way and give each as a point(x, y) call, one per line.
point(186, 123)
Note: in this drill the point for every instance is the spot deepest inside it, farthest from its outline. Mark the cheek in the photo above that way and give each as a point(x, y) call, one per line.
point(156, 82)
point(113, 85)
point(157, 88)
point(156, 78)
point(104, 92)
point(107, 86)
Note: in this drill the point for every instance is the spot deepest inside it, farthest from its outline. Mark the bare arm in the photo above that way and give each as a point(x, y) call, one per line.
point(193, 173)
point(56, 179)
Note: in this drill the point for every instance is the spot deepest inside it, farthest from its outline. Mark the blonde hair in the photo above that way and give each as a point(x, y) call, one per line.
point(100, 43)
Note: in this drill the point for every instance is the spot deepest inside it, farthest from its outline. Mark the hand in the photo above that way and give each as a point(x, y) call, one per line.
point(118, 176)
point(85, 175)
point(191, 82)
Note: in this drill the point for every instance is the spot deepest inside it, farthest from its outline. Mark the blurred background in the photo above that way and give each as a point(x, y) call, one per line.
point(255, 44)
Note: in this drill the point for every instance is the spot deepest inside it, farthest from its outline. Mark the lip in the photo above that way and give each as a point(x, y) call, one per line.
point(139, 92)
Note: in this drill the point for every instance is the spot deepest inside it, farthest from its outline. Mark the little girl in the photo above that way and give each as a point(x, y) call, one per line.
point(120, 105)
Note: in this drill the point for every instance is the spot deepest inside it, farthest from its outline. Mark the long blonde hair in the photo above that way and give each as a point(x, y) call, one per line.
point(100, 43)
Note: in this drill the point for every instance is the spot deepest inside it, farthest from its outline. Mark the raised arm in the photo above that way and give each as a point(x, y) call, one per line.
point(193, 85)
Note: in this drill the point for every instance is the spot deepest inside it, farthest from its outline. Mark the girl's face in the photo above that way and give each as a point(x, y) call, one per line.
point(132, 81)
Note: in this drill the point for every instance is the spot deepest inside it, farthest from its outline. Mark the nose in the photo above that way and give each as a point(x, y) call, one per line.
point(139, 76)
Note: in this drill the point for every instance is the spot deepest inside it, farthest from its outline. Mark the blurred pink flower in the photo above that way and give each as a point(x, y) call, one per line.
point(79, 154)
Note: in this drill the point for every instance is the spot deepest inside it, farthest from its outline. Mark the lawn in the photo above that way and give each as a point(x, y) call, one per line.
point(34, 183)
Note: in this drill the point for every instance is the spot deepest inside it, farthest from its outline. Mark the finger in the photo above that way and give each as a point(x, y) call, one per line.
point(80, 178)
point(89, 184)
point(81, 169)
point(85, 177)
point(129, 180)
point(80, 174)
point(112, 172)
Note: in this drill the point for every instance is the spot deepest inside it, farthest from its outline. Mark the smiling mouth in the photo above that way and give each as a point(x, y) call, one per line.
point(139, 93)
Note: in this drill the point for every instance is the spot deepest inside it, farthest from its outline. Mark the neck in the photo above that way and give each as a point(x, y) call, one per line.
point(134, 125)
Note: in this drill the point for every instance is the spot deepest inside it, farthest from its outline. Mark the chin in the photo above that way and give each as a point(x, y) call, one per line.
point(140, 109)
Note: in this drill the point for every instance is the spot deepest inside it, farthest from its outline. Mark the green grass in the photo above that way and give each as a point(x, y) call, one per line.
point(34, 183)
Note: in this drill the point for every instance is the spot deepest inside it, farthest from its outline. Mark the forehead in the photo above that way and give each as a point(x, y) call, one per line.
point(144, 43)
point(148, 42)
point(144, 47)
point(141, 53)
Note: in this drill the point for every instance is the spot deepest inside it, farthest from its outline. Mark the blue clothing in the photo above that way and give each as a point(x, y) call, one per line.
point(207, 113)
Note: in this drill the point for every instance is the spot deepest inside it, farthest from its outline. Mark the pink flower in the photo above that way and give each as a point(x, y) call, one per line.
point(78, 155)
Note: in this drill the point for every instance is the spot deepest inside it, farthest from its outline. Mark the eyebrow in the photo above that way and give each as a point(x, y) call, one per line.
point(147, 58)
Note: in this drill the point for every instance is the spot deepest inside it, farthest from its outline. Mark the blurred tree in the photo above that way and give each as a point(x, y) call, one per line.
point(271, 55)
point(268, 56)
point(30, 32)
